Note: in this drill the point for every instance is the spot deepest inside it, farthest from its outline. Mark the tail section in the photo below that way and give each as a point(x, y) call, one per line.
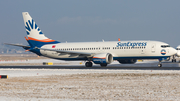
point(35, 35)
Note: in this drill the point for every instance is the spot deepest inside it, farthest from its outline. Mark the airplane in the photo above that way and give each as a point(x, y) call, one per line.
point(103, 53)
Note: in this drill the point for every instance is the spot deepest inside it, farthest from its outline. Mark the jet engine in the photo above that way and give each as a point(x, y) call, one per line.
point(127, 61)
point(104, 58)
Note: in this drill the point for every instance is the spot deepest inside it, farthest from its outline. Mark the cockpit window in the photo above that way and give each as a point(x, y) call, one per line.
point(164, 46)
point(177, 48)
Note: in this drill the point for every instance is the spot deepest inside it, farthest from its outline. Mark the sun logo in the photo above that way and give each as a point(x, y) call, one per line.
point(163, 52)
point(32, 28)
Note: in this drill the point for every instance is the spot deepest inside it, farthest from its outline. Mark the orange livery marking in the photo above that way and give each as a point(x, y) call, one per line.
point(100, 58)
point(44, 40)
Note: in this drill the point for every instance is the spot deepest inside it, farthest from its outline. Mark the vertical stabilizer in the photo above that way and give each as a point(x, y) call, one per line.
point(35, 35)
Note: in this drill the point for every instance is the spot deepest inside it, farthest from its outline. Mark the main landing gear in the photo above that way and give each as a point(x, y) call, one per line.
point(89, 64)
point(103, 64)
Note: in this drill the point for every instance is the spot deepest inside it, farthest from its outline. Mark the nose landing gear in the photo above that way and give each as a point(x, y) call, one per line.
point(160, 64)
point(173, 60)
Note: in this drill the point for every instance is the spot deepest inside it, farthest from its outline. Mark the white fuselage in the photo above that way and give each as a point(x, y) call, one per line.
point(119, 49)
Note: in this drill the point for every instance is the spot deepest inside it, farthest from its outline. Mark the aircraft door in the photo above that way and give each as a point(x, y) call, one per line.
point(153, 48)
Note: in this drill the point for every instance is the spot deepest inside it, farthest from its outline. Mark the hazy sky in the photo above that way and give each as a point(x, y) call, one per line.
point(93, 20)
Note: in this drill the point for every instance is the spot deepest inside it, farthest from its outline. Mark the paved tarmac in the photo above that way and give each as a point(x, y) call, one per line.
point(138, 66)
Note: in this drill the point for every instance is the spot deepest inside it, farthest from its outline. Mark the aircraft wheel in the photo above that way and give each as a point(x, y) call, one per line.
point(173, 60)
point(159, 65)
point(103, 64)
point(88, 64)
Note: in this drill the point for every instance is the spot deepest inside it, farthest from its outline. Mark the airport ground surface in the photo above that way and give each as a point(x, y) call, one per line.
point(67, 81)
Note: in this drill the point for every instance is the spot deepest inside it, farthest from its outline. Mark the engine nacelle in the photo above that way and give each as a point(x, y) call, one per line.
point(127, 61)
point(104, 58)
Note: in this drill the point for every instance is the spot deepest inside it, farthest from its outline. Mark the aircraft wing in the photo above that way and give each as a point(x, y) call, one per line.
point(67, 52)
point(58, 51)
point(17, 45)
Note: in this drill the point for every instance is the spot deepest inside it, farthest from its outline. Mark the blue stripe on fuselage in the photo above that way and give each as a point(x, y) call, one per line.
point(34, 43)
point(36, 51)
point(142, 57)
point(116, 58)
point(39, 44)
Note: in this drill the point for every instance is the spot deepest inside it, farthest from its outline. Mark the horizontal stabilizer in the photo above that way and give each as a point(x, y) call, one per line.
point(17, 45)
